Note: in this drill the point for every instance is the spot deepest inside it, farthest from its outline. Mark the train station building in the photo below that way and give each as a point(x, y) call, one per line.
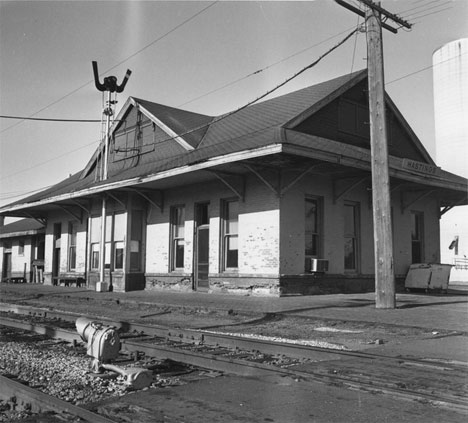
point(273, 199)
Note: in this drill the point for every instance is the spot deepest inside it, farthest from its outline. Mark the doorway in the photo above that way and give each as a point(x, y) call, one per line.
point(56, 253)
point(202, 246)
point(6, 274)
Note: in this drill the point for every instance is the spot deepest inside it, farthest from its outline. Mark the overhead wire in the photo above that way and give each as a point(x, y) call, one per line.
point(50, 119)
point(47, 161)
point(250, 103)
point(113, 67)
point(418, 7)
point(414, 14)
point(222, 116)
point(428, 14)
point(265, 68)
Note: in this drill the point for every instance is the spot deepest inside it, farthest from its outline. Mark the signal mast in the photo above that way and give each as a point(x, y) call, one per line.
point(111, 87)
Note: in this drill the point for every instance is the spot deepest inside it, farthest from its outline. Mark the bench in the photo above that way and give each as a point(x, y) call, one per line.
point(16, 279)
point(68, 280)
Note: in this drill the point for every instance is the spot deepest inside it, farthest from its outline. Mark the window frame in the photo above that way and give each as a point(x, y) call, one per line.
point(355, 236)
point(72, 235)
point(360, 130)
point(318, 233)
point(419, 216)
point(226, 236)
point(21, 245)
point(175, 238)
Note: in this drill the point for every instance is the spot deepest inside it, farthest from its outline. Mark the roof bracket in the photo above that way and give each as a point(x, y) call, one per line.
point(240, 193)
point(159, 203)
point(276, 191)
point(86, 209)
point(114, 197)
point(41, 220)
point(299, 177)
point(404, 205)
point(451, 206)
point(71, 213)
point(337, 195)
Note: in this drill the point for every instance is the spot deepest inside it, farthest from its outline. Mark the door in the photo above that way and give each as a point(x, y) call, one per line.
point(6, 266)
point(202, 247)
point(56, 252)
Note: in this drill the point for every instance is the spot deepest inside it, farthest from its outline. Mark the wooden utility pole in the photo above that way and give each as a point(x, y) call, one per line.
point(381, 205)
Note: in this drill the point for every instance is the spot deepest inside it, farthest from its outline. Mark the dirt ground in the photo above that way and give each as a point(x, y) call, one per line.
point(288, 328)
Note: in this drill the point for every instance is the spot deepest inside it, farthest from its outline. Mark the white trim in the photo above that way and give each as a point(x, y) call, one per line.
point(216, 161)
point(166, 128)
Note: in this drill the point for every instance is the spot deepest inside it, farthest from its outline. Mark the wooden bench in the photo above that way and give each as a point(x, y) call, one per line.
point(16, 279)
point(68, 280)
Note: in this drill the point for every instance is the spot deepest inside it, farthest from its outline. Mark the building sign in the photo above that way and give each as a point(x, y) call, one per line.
point(420, 167)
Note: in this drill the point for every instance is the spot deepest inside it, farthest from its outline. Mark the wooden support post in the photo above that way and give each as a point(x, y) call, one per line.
point(383, 243)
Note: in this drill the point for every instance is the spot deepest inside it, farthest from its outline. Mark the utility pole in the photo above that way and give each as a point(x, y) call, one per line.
point(381, 205)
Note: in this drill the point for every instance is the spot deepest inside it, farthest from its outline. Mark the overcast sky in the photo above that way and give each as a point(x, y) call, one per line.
point(180, 51)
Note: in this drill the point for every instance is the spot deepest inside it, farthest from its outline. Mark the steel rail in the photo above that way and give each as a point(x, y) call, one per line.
point(250, 368)
point(228, 341)
point(39, 401)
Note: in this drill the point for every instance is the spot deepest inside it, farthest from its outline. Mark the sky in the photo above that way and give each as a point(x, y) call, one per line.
point(182, 54)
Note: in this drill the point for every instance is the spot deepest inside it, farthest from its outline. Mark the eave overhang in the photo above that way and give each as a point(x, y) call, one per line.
point(290, 143)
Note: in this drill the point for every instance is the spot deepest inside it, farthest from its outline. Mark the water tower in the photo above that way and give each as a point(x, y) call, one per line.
point(450, 70)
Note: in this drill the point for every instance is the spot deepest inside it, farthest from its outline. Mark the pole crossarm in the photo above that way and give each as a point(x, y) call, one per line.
point(386, 13)
point(362, 13)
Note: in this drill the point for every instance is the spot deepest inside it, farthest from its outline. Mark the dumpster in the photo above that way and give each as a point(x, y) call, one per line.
point(428, 276)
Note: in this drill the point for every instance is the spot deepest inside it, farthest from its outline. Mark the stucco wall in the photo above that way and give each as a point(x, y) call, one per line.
point(258, 229)
point(292, 227)
point(20, 264)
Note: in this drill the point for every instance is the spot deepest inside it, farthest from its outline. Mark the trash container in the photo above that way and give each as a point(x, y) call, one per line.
point(428, 276)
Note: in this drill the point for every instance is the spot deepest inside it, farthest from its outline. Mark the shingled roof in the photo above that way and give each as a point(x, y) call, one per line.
point(205, 137)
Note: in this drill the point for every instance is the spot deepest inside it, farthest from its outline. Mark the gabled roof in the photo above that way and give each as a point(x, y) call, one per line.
point(265, 127)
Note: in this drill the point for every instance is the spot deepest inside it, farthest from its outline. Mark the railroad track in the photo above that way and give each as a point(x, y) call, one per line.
point(403, 377)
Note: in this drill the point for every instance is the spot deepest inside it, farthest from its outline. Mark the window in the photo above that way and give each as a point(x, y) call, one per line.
point(312, 227)
point(417, 239)
point(72, 231)
point(136, 237)
point(230, 234)
point(351, 236)
point(114, 251)
point(118, 240)
point(21, 248)
point(178, 237)
point(354, 118)
point(95, 238)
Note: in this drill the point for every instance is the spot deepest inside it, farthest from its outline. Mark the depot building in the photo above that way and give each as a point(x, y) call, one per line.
point(274, 199)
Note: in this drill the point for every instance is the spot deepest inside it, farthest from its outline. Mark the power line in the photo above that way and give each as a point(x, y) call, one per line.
point(47, 161)
point(413, 15)
point(264, 68)
point(219, 118)
point(50, 119)
point(432, 13)
point(420, 70)
point(14, 194)
point(418, 7)
point(111, 68)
